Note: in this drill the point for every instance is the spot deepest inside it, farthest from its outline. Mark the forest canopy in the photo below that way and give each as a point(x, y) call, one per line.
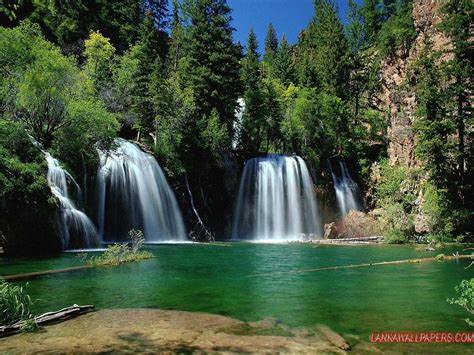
point(78, 74)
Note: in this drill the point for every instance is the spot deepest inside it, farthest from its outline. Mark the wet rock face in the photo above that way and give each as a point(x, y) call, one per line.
point(397, 95)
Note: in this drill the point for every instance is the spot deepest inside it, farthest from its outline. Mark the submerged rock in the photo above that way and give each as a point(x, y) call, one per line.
point(153, 330)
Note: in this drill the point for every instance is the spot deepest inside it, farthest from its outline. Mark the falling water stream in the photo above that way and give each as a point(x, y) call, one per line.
point(276, 201)
point(76, 229)
point(346, 190)
point(132, 192)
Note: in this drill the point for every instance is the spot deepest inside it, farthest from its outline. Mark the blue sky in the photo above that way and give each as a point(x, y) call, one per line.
point(288, 17)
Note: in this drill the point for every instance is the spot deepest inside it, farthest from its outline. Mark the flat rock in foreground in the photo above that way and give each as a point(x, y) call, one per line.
point(152, 330)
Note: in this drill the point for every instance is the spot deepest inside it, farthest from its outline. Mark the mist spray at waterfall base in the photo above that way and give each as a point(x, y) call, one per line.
point(276, 201)
point(133, 192)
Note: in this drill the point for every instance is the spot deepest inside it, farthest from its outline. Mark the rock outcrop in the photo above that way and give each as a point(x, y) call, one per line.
point(397, 95)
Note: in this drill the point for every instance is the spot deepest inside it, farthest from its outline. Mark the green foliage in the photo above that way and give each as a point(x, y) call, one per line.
point(397, 32)
point(27, 209)
point(395, 236)
point(29, 325)
point(15, 303)
point(271, 49)
point(465, 299)
point(57, 102)
point(394, 193)
point(117, 254)
point(214, 135)
point(98, 52)
point(331, 48)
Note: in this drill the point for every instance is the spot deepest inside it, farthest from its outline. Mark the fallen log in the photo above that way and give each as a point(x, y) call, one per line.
point(49, 317)
point(395, 262)
point(40, 273)
point(333, 337)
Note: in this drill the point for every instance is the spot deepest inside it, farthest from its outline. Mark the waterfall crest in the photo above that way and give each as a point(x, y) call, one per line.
point(76, 229)
point(346, 190)
point(276, 200)
point(133, 193)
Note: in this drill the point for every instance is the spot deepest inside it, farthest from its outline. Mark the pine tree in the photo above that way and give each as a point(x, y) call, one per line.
point(457, 22)
point(271, 48)
point(372, 19)
point(253, 117)
point(151, 51)
point(213, 69)
point(330, 47)
point(283, 65)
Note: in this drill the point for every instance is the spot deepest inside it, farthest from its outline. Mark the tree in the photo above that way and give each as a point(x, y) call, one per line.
point(251, 63)
point(458, 17)
point(271, 48)
point(253, 117)
point(99, 54)
point(213, 63)
point(330, 47)
point(372, 19)
point(283, 64)
point(43, 94)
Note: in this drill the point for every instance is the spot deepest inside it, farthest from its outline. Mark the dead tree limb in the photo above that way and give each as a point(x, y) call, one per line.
point(200, 228)
point(49, 317)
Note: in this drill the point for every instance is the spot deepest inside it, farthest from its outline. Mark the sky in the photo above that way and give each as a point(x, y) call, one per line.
point(288, 17)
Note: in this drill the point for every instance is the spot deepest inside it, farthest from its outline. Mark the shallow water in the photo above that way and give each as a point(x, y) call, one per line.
point(235, 279)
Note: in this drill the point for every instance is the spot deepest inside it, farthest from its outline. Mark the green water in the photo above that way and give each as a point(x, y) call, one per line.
point(234, 279)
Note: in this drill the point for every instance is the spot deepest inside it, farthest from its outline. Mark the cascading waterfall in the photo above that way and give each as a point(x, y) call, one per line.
point(76, 229)
point(276, 201)
point(346, 190)
point(133, 193)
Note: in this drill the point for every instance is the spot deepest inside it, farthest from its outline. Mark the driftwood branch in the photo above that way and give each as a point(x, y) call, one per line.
point(49, 317)
point(199, 229)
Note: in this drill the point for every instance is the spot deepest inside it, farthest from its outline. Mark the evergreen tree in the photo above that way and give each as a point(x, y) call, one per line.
point(457, 22)
point(251, 63)
point(372, 19)
point(271, 48)
point(283, 65)
point(213, 64)
point(253, 118)
point(330, 47)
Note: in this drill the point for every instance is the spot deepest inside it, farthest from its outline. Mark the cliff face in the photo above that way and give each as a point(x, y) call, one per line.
point(398, 88)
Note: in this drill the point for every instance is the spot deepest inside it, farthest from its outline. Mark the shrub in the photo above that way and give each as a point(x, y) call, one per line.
point(15, 303)
point(395, 236)
point(465, 291)
point(117, 254)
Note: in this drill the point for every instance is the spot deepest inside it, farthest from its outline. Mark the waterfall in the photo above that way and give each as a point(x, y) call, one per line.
point(346, 190)
point(276, 200)
point(133, 193)
point(76, 229)
point(239, 112)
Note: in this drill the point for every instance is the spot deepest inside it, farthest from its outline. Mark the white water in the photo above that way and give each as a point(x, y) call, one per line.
point(276, 201)
point(133, 193)
point(76, 229)
point(239, 112)
point(346, 190)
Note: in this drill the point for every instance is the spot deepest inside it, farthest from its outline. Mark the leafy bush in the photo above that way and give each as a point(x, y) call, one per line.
point(117, 254)
point(465, 298)
point(395, 236)
point(15, 304)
